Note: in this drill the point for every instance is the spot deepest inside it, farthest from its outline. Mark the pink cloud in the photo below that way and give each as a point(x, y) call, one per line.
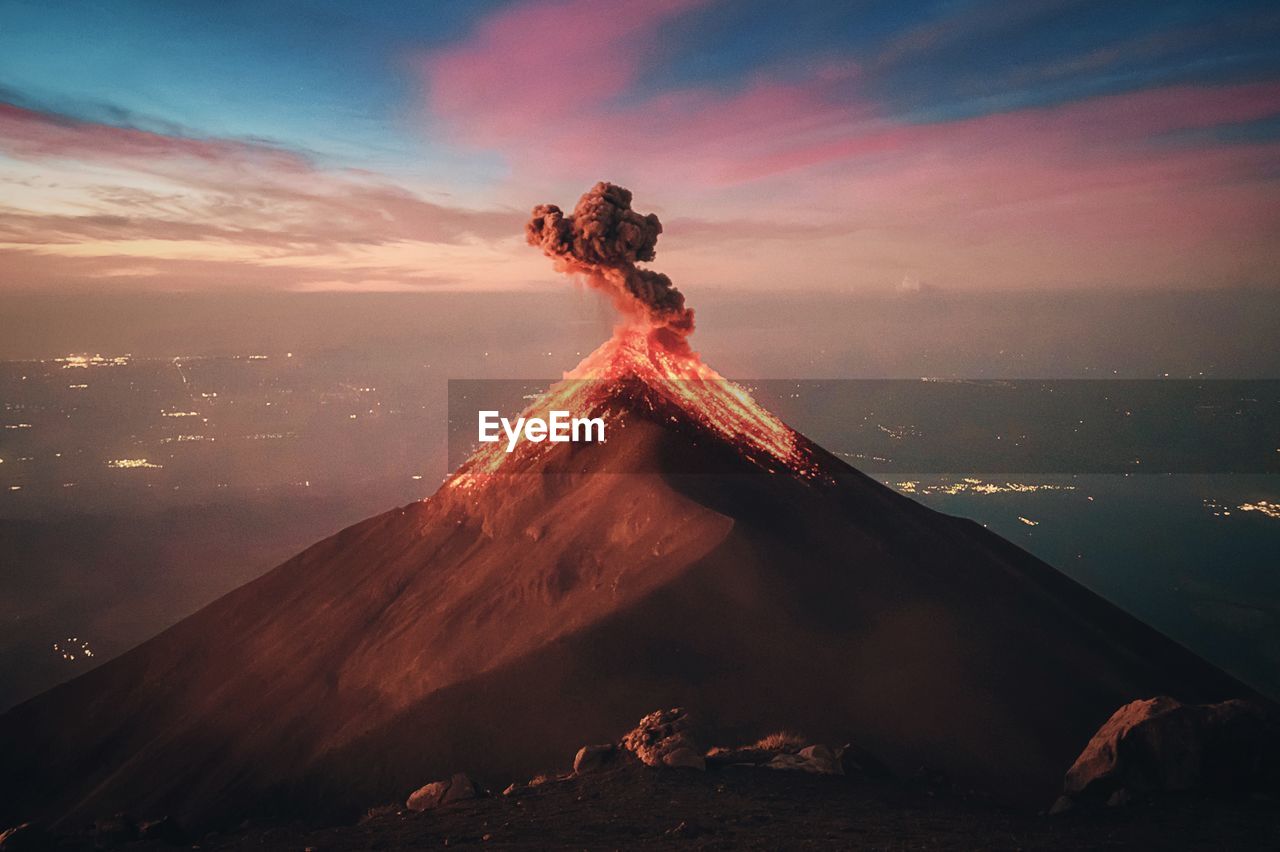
point(43, 270)
point(539, 63)
point(553, 87)
point(88, 203)
point(583, 117)
point(185, 188)
point(1129, 188)
point(31, 134)
point(1117, 127)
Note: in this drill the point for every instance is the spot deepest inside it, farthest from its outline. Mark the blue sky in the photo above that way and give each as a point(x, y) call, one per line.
point(364, 86)
point(332, 77)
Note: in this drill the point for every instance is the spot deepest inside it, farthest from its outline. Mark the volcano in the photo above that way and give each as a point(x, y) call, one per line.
point(705, 555)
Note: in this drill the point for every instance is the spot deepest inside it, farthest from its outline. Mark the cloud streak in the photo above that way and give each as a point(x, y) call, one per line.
point(1140, 187)
point(129, 193)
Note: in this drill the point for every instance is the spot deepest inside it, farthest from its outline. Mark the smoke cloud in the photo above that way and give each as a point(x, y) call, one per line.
point(603, 240)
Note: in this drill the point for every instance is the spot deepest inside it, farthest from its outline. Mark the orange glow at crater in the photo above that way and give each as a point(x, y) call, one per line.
point(673, 375)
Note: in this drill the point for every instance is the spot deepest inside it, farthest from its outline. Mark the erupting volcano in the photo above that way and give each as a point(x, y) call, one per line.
point(506, 620)
point(601, 242)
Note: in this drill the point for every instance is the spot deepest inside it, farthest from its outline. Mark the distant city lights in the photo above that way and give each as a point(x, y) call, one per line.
point(1264, 507)
point(977, 486)
point(85, 361)
point(73, 648)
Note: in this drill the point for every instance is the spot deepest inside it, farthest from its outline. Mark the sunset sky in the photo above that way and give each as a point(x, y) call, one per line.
point(380, 146)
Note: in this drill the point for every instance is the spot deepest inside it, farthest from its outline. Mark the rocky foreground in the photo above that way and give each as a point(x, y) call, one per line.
point(1158, 775)
point(636, 807)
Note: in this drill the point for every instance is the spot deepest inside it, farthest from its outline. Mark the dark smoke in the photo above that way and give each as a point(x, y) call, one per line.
point(603, 240)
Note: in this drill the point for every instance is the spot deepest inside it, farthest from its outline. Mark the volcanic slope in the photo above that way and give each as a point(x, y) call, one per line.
point(704, 556)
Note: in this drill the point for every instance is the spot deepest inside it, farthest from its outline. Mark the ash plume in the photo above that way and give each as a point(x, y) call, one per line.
point(603, 240)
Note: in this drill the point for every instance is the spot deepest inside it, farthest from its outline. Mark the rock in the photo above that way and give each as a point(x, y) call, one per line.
point(593, 757)
point(511, 790)
point(427, 796)
point(1153, 743)
point(439, 793)
point(821, 760)
point(1163, 744)
point(165, 830)
point(817, 759)
point(786, 751)
point(26, 838)
point(659, 734)
point(786, 761)
point(684, 758)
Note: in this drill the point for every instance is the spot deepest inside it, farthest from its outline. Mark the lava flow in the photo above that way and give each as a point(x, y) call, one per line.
point(674, 377)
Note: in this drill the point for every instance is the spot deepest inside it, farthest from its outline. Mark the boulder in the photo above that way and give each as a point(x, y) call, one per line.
point(786, 761)
point(427, 796)
point(817, 759)
point(1161, 744)
point(661, 733)
point(592, 757)
point(460, 787)
point(684, 758)
point(821, 759)
point(439, 793)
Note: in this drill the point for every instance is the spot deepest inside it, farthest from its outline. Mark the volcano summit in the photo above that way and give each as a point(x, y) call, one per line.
point(550, 596)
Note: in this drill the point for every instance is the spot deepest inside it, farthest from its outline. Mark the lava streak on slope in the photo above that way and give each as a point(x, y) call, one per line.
point(674, 384)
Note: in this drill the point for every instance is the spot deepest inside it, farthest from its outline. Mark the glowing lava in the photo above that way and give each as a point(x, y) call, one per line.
point(673, 375)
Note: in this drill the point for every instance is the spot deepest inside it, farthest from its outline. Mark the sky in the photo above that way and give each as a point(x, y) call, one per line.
point(303, 145)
